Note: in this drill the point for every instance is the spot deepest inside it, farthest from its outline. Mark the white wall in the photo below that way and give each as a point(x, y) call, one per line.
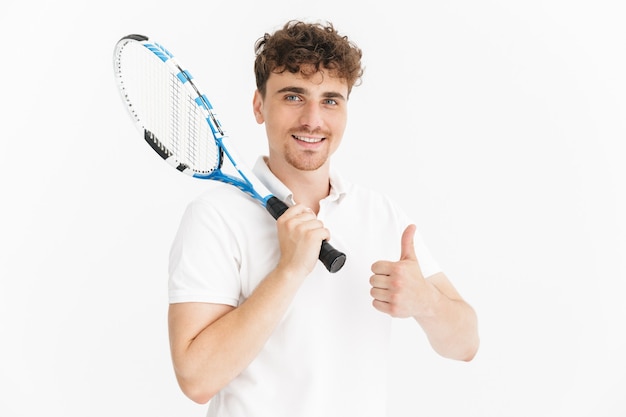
point(499, 124)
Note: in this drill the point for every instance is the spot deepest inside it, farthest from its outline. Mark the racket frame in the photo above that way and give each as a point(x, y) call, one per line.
point(332, 259)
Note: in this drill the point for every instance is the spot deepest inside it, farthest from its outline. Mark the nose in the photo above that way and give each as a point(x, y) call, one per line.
point(311, 116)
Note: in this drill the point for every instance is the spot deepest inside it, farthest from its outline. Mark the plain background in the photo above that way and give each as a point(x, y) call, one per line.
point(498, 124)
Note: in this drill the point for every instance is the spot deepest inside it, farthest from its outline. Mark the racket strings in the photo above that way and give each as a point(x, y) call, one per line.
point(166, 109)
point(192, 152)
point(174, 125)
point(189, 135)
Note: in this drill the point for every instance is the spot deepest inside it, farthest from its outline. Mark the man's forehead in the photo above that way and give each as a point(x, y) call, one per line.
point(305, 77)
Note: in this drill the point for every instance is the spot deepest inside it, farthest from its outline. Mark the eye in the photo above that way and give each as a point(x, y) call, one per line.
point(293, 97)
point(330, 102)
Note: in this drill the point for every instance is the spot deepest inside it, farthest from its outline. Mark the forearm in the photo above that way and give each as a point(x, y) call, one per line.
point(452, 328)
point(212, 357)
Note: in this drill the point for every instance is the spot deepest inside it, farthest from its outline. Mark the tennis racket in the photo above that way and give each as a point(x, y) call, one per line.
point(179, 123)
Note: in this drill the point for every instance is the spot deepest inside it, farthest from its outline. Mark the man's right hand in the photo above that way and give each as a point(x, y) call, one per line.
point(300, 235)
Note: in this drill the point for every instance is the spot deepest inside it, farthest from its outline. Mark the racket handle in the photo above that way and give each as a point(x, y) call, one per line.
point(332, 259)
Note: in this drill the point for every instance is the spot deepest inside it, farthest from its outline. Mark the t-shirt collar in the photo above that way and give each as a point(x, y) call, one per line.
point(338, 186)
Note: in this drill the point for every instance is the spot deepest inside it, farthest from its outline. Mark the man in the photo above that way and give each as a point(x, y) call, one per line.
point(257, 324)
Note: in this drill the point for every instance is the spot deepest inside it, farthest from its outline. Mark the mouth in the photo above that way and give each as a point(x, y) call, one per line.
point(308, 139)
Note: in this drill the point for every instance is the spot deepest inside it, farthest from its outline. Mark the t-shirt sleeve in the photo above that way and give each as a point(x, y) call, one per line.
point(204, 259)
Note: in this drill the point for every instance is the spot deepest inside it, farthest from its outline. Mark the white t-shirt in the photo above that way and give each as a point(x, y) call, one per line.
point(328, 356)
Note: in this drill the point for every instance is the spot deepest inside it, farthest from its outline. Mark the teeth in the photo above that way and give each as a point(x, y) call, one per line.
point(307, 139)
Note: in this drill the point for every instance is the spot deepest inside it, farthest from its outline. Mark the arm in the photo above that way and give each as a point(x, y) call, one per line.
point(212, 343)
point(449, 322)
point(400, 290)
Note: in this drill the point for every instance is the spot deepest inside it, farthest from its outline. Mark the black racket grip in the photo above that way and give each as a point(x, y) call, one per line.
point(332, 259)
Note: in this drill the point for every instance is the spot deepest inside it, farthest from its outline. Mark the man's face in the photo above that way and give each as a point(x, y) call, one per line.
point(304, 118)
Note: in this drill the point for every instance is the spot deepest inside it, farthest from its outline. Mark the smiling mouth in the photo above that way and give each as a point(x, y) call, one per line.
point(308, 139)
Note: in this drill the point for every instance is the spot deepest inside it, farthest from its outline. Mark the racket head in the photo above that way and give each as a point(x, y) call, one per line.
point(179, 123)
point(162, 99)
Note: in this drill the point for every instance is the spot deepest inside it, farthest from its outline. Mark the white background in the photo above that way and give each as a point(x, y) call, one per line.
point(498, 124)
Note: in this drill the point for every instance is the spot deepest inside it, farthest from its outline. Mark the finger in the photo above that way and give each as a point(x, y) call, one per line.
point(380, 295)
point(306, 224)
point(382, 267)
point(296, 211)
point(297, 216)
point(407, 247)
point(381, 306)
point(379, 281)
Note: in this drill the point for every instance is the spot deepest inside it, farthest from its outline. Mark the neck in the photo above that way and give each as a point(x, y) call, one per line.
point(308, 187)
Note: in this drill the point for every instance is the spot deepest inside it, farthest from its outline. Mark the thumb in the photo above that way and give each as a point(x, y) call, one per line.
point(407, 248)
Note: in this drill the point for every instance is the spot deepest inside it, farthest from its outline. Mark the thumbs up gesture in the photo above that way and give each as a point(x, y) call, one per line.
point(399, 288)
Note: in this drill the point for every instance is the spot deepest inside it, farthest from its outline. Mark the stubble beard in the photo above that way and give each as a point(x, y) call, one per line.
point(306, 160)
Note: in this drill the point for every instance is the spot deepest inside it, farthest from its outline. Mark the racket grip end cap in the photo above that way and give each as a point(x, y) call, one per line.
point(332, 259)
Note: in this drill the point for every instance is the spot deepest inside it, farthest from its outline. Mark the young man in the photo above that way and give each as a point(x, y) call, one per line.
point(257, 324)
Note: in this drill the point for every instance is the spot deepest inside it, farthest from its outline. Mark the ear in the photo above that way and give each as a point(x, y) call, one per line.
point(257, 107)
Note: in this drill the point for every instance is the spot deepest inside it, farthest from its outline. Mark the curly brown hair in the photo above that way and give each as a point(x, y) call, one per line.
point(306, 48)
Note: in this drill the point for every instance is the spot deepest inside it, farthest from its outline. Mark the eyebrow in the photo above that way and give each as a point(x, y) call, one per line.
point(304, 91)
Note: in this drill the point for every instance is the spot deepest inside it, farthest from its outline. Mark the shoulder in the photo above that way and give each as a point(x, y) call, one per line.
point(221, 210)
point(223, 199)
